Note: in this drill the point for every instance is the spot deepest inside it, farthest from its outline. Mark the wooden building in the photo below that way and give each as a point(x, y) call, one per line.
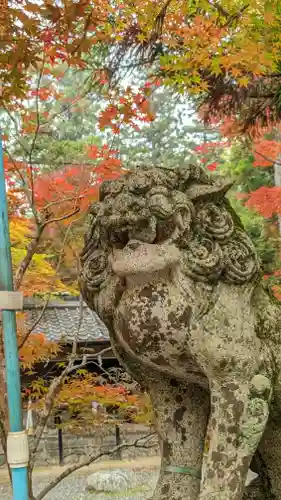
point(69, 320)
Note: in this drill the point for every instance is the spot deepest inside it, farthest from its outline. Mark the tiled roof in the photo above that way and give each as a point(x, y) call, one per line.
point(66, 320)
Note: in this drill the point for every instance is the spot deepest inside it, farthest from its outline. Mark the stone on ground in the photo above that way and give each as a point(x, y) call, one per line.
point(109, 481)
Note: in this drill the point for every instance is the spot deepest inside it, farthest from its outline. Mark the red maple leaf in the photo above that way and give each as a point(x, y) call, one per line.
point(266, 201)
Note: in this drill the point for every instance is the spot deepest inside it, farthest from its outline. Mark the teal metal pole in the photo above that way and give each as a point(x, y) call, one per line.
point(18, 470)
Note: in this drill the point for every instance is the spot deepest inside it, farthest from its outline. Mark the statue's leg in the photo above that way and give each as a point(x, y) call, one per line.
point(181, 414)
point(267, 464)
point(256, 491)
point(181, 417)
point(238, 417)
point(268, 459)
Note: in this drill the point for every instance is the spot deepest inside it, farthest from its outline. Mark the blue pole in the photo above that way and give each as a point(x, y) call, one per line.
point(18, 470)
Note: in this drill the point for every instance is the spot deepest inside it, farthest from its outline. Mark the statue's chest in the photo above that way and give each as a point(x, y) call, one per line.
point(153, 321)
point(224, 340)
point(158, 323)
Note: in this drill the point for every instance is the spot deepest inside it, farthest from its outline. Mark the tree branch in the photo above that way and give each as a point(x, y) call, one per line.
point(58, 219)
point(49, 294)
point(52, 393)
point(25, 185)
point(35, 134)
point(63, 200)
point(31, 250)
point(38, 319)
point(138, 443)
point(33, 245)
point(87, 23)
point(267, 158)
point(16, 129)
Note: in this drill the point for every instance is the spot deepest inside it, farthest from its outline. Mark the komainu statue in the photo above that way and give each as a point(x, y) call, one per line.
point(170, 270)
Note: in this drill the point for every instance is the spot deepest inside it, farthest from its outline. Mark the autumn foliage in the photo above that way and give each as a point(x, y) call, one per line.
point(223, 52)
point(266, 152)
point(209, 153)
point(266, 200)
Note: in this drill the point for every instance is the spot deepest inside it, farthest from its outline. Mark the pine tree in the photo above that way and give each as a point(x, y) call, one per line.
point(169, 140)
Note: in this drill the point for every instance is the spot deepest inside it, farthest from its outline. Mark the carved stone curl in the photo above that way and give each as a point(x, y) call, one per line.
point(171, 272)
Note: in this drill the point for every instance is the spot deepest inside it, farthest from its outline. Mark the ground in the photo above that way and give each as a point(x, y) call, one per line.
point(145, 472)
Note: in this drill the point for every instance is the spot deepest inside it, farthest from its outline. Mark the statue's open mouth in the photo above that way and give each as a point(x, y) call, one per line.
point(151, 230)
point(147, 246)
point(140, 257)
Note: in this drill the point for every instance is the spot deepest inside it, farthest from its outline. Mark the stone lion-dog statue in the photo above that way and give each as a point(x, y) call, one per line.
point(170, 270)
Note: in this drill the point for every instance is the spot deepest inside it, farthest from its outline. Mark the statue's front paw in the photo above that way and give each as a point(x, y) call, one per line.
point(261, 387)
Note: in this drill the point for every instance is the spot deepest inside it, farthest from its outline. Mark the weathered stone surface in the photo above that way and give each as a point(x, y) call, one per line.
point(109, 481)
point(169, 268)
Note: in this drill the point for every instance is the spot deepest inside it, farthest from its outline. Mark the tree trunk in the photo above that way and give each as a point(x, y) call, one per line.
point(277, 181)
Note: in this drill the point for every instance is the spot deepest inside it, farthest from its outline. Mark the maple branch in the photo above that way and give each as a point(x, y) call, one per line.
point(222, 11)
point(138, 443)
point(159, 21)
point(33, 245)
point(28, 152)
point(62, 200)
point(58, 219)
point(87, 23)
point(219, 8)
point(35, 133)
point(70, 105)
point(31, 250)
point(16, 128)
point(86, 358)
point(52, 393)
point(235, 16)
point(277, 162)
point(25, 187)
point(95, 354)
point(39, 317)
point(18, 172)
point(75, 254)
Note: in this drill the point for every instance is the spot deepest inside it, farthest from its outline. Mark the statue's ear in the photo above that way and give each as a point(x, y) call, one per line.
point(218, 190)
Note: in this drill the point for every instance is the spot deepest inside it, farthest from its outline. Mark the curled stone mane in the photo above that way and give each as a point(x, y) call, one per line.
point(184, 206)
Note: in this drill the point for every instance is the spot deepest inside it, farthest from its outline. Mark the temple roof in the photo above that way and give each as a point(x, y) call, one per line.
point(65, 320)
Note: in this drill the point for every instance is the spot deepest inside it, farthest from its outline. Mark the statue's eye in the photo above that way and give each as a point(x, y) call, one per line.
point(119, 237)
